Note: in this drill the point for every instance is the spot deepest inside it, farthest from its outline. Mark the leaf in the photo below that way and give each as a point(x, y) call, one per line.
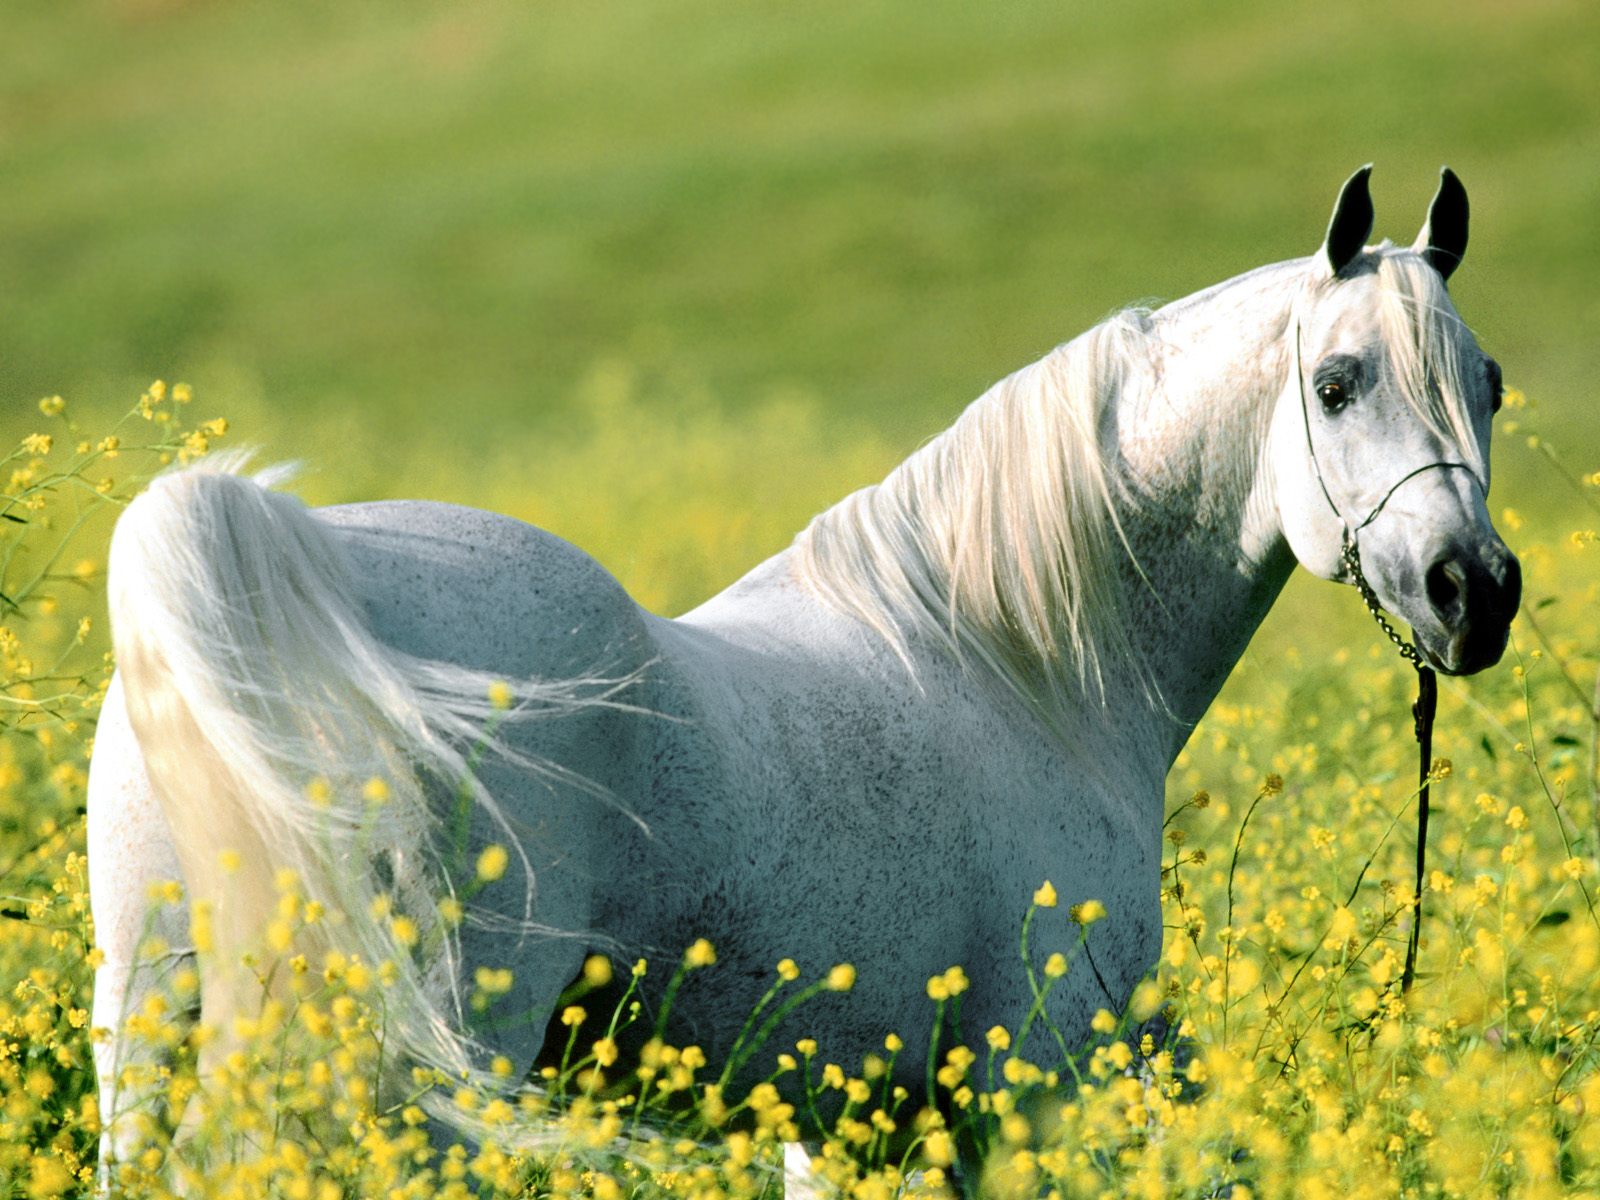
point(1558, 917)
point(1488, 746)
point(1564, 739)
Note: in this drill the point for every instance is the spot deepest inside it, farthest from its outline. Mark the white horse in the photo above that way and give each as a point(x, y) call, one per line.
point(955, 684)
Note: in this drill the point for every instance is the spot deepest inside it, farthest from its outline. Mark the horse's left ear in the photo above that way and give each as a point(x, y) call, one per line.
point(1443, 240)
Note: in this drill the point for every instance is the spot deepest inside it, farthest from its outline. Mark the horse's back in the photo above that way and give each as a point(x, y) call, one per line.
point(486, 591)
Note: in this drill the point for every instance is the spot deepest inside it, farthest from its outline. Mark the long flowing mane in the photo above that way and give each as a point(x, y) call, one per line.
point(999, 543)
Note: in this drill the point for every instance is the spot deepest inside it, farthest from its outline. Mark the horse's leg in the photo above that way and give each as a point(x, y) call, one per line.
point(130, 851)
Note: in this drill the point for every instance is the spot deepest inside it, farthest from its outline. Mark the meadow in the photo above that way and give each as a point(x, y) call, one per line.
point(1284, 1059)
point(669, 280)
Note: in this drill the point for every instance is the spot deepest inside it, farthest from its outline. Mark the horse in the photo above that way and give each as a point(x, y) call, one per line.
point(957, 683)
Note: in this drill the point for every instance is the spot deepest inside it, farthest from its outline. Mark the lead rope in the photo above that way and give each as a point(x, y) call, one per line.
point(1427, 702)
point(1422, 713)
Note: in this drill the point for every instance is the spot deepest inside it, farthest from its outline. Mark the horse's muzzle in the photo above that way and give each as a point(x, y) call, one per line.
point(1473, 595)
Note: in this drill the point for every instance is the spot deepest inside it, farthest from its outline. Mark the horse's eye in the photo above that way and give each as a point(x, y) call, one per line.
point(1333, 396)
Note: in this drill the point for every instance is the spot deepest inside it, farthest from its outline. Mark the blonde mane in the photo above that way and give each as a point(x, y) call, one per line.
point(998, 541)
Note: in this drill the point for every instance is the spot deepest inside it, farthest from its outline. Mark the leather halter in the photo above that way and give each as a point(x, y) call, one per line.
point(1426, 704)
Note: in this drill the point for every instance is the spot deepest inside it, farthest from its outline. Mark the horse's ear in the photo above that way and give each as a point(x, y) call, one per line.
point(1443, 240)
point(1352, 221)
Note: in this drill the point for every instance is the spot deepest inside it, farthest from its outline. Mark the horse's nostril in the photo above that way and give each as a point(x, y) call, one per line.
point(1511, 585)
point(1446, 587)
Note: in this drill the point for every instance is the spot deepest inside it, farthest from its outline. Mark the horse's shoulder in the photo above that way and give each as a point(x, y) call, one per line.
point(486, 590)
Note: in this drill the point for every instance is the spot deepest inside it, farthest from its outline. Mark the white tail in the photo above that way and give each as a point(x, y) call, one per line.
point(251, 675)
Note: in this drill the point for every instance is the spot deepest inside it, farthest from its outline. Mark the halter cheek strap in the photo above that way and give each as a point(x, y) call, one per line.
point(1316, 466)
point(1427, 684)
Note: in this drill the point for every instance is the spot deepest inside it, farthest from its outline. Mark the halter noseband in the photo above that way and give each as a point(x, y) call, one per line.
point(1427, 684)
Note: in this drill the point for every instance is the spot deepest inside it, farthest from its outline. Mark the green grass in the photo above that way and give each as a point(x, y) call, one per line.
point(437, 220)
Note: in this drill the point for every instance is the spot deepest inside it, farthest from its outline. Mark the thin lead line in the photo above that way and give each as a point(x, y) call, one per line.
point(1427, 692)
point(1305, 416)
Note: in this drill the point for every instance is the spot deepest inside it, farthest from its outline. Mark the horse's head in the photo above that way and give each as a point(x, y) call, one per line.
point(1381, 436)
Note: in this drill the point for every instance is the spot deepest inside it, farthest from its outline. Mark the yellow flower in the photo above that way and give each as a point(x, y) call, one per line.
point(492, 863)
point(597, 970)
point(375, 791)
point(701, 954)
point(1103, 1022)
point(52, 406)
point(999, 1038)
point(404, 930)
point(167, 892)
point(1045, 897)
point(788, 971)
point(230, 861)
point(500, 695)
point(842, 978)
point(605, 1052)
point(1055, 966)
point(572, 1016)
point(893, 1044)
point(1088, 912)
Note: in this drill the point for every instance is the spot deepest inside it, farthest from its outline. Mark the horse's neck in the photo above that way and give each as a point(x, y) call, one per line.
point(1200, 515)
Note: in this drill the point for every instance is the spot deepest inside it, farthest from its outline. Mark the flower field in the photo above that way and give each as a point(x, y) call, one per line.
point(1271, 1053)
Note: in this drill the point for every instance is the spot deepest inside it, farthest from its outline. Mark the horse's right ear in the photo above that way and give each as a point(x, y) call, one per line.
point(1351, 223)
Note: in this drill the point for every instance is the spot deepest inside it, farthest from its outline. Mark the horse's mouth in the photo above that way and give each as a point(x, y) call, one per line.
point(1463, 652)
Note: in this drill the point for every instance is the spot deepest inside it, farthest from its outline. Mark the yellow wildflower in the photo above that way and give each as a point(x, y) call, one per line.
point(492, 863)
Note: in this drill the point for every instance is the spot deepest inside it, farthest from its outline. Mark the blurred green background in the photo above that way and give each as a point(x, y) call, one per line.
point(668, 277)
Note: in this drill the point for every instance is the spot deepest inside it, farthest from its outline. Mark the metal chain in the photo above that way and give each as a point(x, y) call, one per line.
point(1352, 561)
